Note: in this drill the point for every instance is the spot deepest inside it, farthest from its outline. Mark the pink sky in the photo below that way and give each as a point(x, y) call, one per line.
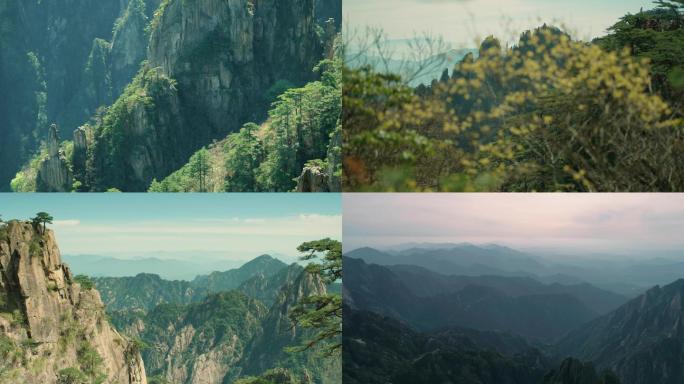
point(621, 223)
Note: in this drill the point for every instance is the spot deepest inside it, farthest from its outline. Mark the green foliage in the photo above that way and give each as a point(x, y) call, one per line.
point(114, 142)
point(8, 350)
point(278, 88)
point(550, 114)
point(657, 35)
point(156, 18)
point(41, 218)
point(72, 376)
point(272, 376)
point(200, 168)
point(90, 362)
point(85, 282)
point(302, 121)
point(18, 318)
point(244, 152)
point(25, 179)
point(322, 313)
point(301, 127)
point(158, 379)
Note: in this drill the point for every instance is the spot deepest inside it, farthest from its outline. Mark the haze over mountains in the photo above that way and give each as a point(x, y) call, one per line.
point(628, 277)
point(185, 266)
point(492, 314)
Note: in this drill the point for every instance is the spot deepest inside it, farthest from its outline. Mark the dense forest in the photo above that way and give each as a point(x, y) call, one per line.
point(117, 97)
point(547, 114)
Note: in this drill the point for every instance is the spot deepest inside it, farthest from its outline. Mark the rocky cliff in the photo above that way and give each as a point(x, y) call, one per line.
point(54, 174)
point(231, 334)
point(210, 64)
point(642, 341)
point(268, 348)
point(53, 328)
point(55, 58)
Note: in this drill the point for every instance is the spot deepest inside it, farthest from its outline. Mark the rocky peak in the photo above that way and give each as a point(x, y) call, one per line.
point(209, 66)
point(44, 307)
point(278, 330)
point(647, 328)
point(53, 141)
point(54, 174)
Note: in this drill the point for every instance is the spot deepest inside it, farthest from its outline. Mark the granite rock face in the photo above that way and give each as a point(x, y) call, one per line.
point(313, 179)
point(210, 65)
point(49, 319)
point(54, 174)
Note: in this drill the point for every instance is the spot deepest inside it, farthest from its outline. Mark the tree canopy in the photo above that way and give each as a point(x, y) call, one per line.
point(322, 313)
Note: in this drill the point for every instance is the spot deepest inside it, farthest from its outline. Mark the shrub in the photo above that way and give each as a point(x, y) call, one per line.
point(84, 281)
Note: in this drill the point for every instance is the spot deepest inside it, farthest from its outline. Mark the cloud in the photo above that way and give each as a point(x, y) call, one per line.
point(66, 223)
point(592, 221)
point(243, 236)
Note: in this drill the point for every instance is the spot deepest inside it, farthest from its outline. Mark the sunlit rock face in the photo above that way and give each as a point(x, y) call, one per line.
point(49, 320)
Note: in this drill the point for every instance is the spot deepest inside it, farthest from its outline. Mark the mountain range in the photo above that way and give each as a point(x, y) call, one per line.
point(425, 326)
point(618, 273)
point(428, 300)
point(56, 327)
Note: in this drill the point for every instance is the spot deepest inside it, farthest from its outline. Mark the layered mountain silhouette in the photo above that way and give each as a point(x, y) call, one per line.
point(628, 276)
point(429, 301)
point(145, 290)
point(426, 327)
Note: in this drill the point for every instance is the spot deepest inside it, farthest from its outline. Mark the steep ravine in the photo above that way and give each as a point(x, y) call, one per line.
point(62, 59)
point(53, 327)
point(210, 64)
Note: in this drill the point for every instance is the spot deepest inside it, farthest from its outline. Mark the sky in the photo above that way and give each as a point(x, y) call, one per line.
point(463, 22)
point(634, 224)
point(230, 226)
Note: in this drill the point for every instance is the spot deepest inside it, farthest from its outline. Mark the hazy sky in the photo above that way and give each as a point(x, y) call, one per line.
point(464, 21)
point(235, 226)
point(620, 223)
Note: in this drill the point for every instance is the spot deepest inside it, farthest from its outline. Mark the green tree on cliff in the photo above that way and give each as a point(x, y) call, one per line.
point(322, 313)
point(42, 218)
point(200, 167)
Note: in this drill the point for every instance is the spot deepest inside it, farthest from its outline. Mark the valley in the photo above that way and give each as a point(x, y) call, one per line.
point(234, 326)
point(503, 320)
point(513, 288)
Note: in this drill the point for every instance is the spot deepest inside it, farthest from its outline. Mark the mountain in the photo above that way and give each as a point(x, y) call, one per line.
point(642, 341)
point(573, 371)
point(53, 327)
point(63, 59)
point(626, 275)
point(536, 311)
point(423, 282)
point(417, 72)
point(463, 259)
point(172, 269)
point(145, 291)
point(228, 335)
point(382, 350)
point(223, 281)
point(266, 287)
point(119, 95)
point(268, 348)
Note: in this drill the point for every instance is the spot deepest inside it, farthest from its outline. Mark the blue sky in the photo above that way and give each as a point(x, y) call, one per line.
point(631, 223)
point(233, 226)
point(465, 21)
